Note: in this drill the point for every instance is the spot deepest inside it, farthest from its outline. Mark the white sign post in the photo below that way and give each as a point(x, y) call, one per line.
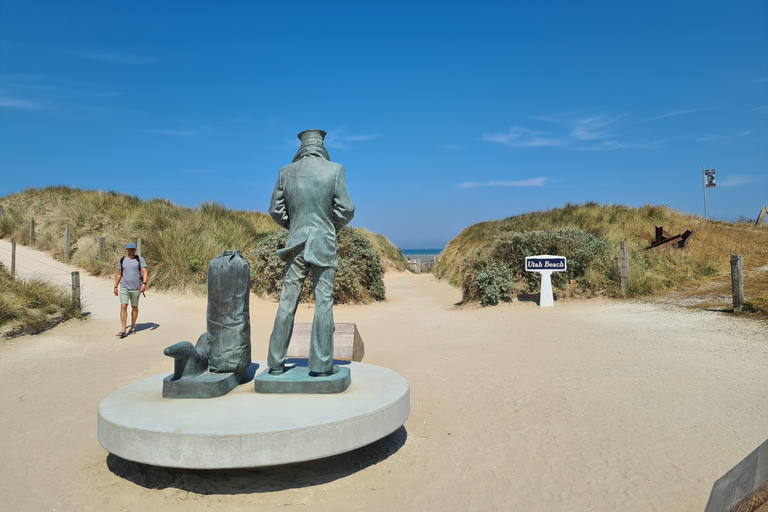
point(545, 264)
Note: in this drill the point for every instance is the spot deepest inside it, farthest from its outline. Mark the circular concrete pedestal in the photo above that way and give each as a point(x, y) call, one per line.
point(245, 429)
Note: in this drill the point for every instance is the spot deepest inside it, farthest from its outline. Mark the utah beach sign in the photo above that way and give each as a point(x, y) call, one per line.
point(545, 264)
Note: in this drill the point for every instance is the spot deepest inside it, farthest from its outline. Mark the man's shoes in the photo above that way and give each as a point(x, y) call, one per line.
point(132, 330)
point(121, 334)
point(334, 371)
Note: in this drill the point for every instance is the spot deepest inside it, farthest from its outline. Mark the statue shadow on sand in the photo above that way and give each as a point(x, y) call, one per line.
point(259, 480)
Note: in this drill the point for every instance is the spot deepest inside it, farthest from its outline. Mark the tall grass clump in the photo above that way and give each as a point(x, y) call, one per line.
point(705, 258)
point(359, 276)
point(177, 242)
point(30, 304)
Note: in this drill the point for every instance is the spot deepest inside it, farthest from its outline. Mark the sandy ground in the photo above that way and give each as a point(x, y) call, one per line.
point(590, 405)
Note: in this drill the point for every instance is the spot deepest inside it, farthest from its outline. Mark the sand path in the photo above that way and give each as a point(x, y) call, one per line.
point(592, 405)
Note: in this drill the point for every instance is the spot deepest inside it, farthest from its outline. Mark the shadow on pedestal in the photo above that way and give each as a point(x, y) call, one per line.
point(258, 480)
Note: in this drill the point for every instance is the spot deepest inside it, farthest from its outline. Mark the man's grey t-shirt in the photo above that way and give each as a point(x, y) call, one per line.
point(131, 278)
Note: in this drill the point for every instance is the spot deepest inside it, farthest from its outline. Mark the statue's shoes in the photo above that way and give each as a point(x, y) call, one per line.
point(334, 371)
point(276, 373)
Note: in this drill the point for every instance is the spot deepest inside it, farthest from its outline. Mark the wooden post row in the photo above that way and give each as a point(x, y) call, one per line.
point(102, 240)
point(624, 266)
point(138, 247)
point(76, 290)
point(13, 257)
point(67, 241)
point(32, 232)
point(737, 281)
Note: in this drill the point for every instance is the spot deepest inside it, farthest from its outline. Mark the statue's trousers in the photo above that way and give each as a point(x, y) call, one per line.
point(321, 344)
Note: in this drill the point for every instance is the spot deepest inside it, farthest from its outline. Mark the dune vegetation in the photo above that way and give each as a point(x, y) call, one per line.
point(177, 242)
point(593, 232)
point(31, 305)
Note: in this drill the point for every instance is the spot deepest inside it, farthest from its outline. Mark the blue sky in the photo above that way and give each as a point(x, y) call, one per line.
point(443, 114)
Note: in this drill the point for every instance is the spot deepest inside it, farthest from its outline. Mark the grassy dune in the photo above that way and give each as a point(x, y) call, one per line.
point(178, 242)
point(704, 262)
point(33, 304)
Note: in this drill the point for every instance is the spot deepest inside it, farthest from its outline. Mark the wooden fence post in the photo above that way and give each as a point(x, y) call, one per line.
point(737, 281)
point(32, 232)
point(1, 211)
point(138, 247)
point(624, 266)
point(76, 290)
point(102, 240)
point(67, 241)
point(13, 257)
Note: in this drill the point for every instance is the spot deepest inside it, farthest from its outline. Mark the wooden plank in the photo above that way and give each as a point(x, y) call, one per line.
point(67, 241)
point(76, 290)
point(659, 234)
point(737, 281)
point(647, 238)
point(745, 487)
point(347, 342)
point(624, 266)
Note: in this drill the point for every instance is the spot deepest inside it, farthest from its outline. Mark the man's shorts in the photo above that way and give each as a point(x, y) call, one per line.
point(125, 294)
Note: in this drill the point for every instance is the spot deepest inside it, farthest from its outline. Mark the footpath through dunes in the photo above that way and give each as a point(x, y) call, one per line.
point(590, 405)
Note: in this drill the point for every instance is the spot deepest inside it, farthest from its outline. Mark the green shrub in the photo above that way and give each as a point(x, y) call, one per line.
point(490, 275)
point(582, 250)
point(359, 276)
point(487, 280)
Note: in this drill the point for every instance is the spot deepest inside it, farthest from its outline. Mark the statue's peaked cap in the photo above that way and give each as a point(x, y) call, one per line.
point(309, 137)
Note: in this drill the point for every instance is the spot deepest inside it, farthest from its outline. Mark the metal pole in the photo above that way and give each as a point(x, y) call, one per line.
point(101, 247)
point(13, 257)
point(138, 247)
point(67, 241)
point(76, 290)
point(704, 186)
point(737, 281)
point(32, 232)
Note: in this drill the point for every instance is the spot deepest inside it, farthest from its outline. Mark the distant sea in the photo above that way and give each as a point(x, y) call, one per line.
point(416, 254)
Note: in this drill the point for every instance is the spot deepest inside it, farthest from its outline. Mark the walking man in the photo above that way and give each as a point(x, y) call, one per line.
point(132, 281)
point(310, 199)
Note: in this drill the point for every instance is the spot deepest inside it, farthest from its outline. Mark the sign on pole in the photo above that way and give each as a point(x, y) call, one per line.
point(545, 264)
point(709, 182)
point(709, 179)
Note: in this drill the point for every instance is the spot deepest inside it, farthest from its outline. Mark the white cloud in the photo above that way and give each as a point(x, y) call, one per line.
point(176, 133)
point(362, 137)
point(735, 180)
point(520, 137)
point(582, 134)
point(116, 58)
point(592, 128)
point(7, 102)
point(531, 182)
point(723, 138)
point(674, 113)
point(615, 144)
point(334, 139)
